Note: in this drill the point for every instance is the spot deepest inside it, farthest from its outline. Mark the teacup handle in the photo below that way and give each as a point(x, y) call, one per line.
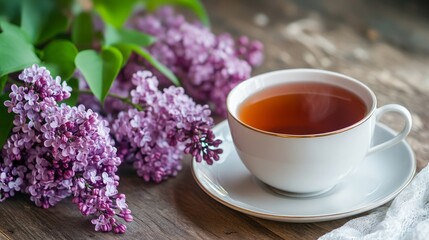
point(407, 128)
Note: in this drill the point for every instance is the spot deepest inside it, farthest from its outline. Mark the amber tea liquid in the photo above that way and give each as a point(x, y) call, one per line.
point(302, 108)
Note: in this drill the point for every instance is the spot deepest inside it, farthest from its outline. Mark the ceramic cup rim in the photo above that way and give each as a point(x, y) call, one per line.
point(368, 115)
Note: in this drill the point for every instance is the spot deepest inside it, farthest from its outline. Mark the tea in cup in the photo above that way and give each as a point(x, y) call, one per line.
point(301, 131)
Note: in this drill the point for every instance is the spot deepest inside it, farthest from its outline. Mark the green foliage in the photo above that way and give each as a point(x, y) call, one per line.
point(6, 120)
point(159, 66)
point(99, 70)
point(127, 36)
point(114, 12)
point(10, 10)
point(42, 19)
point(194, 5)
point(14, 30)
point(36, 40)
point(127, 49)
point(16, 53)
point(126, 39)
point(3, 81)
point(74, 84)
point(83, 31)
point(58, 57)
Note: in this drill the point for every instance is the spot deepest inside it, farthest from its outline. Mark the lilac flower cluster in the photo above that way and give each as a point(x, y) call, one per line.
point(170, 125)
point(55, 151)
point(208, 66)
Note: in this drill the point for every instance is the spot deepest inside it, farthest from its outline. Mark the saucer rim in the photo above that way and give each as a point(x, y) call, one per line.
point(319, 217)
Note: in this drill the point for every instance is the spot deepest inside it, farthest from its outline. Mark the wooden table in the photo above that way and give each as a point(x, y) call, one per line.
point(382, 44)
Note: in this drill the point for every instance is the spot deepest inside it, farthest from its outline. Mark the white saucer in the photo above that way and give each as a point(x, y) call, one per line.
point(378, 180)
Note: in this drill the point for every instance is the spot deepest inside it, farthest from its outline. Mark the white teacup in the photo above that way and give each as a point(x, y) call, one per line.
point(307, 165)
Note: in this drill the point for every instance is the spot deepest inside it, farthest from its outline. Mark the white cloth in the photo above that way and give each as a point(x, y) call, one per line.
point(406, 218)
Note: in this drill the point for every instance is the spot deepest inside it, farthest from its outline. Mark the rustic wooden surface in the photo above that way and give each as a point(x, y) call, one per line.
point(382, 44)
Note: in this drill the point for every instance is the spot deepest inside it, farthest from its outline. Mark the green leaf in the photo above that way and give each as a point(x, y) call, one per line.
point(6, 121)
point(10, 10)
point(159, 66)
point(114, 12)
point(125, 51)
point(42, 19)
point(58, 57)
point(14, 30)
point(83, 31)
point(3, 81)
point(99, 70)
point(194, 5)
point(74, 84)
point(127, 36)
point(19, 54)
point(123, 38)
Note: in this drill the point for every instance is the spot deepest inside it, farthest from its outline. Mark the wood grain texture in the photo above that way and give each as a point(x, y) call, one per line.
point(353, 37)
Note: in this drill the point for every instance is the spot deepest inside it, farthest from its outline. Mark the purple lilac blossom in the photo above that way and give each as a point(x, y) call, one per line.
point(208, 65)
point(56, 151)
point(170, 125)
